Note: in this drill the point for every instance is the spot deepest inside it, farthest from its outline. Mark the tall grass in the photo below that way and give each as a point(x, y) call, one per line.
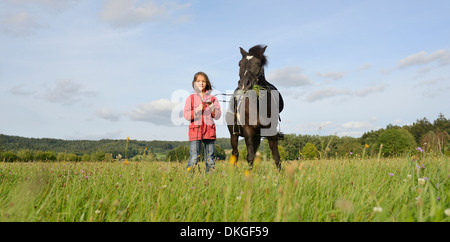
point(319, 190)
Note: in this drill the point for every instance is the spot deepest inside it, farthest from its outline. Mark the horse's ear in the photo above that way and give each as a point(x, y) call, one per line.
point(264, 49)
point(243, 52)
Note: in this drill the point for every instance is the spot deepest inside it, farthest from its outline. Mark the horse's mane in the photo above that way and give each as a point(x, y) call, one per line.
point(258, 52)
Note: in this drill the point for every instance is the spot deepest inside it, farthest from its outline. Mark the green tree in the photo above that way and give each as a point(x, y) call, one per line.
point(442, 124)
point(45, 156)
point(86, 157)
point(98, 156)
point(349, 144)
point(25, 155)
point(9, 156)
point(419, 128)
point(310, 151)
point(396, 141)
point(179, 154)
point(219, 152)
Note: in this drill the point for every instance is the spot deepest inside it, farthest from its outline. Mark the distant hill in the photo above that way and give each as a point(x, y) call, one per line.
point(80, 147)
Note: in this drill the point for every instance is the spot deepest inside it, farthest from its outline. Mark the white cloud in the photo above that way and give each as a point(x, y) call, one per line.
point(24, 18)
point(20, 91)
point(353, 134)
point(49, 4)
point(108, 115)
point(333, 92)
point(332, 75)
point(289, 76)
point(356, 128)
point(364, 67)
point(20, 24)
point(398, 121)
point(358, 125)
point(67, 92)
point(366, 91)
point(128, 13)
point(313, 126)
point(157, 112)
point(327, 93)
point(422, 58)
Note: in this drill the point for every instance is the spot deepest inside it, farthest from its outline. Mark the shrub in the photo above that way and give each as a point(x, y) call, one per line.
point(25, 155)
point(45, 156)
point(8, 156)
point(396, 141)
point(310, 151)
point(98, 156)
point(179, 154)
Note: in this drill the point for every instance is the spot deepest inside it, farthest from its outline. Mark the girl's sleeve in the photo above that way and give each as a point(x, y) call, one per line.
point(217, 112)
point(188, 111)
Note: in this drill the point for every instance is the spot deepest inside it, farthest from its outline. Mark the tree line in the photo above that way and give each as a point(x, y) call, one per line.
point(431, 137)
point(387, 142)
point(15, 148)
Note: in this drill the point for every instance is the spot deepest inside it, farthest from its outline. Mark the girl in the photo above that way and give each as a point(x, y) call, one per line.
point(201, 109)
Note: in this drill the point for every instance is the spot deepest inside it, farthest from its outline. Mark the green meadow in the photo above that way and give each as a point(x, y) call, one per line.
point(387, 190)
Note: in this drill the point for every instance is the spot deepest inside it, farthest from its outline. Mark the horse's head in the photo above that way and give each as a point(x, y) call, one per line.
point(251, 67)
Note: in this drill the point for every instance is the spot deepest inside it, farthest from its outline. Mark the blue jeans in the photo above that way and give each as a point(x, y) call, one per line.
point(194, 153)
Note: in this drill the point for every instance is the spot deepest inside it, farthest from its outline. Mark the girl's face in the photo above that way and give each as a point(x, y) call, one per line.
point(200, 83)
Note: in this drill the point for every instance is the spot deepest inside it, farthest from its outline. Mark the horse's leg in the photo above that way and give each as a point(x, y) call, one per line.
point(251, 145)
point(256, 143)
point(234, 145)
point(273, 144)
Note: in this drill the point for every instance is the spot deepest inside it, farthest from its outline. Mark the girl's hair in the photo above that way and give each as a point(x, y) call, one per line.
point(208, 83)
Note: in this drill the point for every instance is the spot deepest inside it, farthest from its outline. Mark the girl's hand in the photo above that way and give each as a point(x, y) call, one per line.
point(198, 109)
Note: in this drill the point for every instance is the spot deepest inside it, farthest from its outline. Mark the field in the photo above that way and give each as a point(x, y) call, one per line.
point(404, 189)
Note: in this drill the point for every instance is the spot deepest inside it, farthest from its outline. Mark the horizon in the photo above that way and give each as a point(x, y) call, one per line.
point(240, 138)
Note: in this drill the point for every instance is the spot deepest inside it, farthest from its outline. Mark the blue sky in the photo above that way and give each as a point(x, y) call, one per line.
point(108, 69)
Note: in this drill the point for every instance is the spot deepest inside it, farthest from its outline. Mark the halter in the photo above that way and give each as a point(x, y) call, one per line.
point(259, 75)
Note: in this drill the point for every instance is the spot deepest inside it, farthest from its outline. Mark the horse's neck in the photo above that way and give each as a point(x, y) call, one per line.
point(262, 77)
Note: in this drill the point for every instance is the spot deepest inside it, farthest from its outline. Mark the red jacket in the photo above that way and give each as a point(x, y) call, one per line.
point(202, 124)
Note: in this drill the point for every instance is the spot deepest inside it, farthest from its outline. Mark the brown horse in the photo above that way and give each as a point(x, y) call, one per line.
point(254, 108)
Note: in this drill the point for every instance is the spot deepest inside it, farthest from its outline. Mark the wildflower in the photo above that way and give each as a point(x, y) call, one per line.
point(419, 149)
point(97, 211)
point(240, 196)
point(300, 167)
point(409, 176)
point(351, 153)
point(126, 162)
point(247, 173)
point(128, 138)
point(447, 211)
point(391, 174)
point(367, 146)
point(421, 181)
point(378, 209)
point(189, 168)
point(233, 159)
point(344, 205)
point(86, 177)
